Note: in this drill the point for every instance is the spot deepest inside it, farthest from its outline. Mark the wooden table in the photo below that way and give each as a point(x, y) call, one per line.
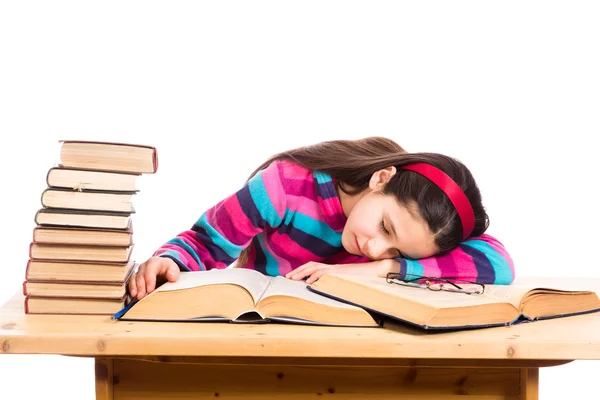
point(143, 360)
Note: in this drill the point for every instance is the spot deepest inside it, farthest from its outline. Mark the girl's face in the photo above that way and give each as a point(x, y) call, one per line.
point(378, 227)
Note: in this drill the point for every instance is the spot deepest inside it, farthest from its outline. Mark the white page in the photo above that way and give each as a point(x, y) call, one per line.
point(287, 287)
point(253, 281)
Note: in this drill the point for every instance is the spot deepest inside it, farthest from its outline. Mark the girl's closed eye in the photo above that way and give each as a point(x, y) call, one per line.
point(398, 252)
point(383, 228)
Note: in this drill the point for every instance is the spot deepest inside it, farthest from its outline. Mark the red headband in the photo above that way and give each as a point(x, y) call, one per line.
point(451, 190)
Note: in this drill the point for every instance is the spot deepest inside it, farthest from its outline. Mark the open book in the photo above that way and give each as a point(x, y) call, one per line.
point(242, 295)
point(526, 299)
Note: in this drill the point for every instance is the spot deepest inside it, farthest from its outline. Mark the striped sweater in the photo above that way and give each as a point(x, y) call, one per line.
point(291, 215)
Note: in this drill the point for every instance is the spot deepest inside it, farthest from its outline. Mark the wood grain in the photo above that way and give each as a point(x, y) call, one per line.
point(572, 338)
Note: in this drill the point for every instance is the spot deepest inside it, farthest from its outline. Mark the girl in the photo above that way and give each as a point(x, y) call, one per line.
point(355, 206)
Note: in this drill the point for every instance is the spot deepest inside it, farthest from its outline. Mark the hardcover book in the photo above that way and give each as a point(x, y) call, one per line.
point(78, 271)
point(86, 179)
point(107, 156)
point(40, 251)
point(527, 299)
point(92, 200)
point(82, 236)
point(83, 218)
point(242, 295)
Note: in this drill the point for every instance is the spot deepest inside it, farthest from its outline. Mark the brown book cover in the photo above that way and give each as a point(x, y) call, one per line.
point(109, 156)
point(40, 251)
point(431, 304)
point(83, 288)
point(78, 271)
point(82, 179)
point(83, 236)
point(82, 218)
point(72, 305)
point(91, 200)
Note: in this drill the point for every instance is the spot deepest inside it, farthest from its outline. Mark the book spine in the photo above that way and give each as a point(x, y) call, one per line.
point(24, 288)
point(27, 269)
point(155, 159)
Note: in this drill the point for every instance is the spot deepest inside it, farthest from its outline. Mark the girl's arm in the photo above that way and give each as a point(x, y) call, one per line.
point(222, 232)
point(481, 259)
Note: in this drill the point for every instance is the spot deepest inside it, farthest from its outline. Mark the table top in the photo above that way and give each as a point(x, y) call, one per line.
point(571, 338)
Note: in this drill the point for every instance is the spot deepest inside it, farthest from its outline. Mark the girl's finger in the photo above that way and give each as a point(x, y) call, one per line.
point(298, 270)
point(132, 286)
point(152, 270)
point(315, 277)
point(140, 282)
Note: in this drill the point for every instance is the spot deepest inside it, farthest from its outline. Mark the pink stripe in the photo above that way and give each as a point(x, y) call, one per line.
point(430, 267)
point(292, 170)
point(305, 206)
point(465, 267)
point(239, 224)
point(272, 181)
point(284, 265)
point(336, 217)
point(292, 249)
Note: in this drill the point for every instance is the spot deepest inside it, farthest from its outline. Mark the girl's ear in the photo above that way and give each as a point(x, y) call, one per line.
point(381, 177)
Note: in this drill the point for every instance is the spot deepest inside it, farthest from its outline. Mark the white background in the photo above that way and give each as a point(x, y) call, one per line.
point(510, 88)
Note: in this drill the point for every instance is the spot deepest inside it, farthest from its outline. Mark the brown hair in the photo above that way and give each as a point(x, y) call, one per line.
point(352, 163)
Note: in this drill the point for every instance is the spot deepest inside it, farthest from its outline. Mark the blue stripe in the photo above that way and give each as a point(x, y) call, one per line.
point(244, 198)
point(313, 227)
point(489, 262)
point(173, 255)
point(214, 242)
point(271, 265)
point(321, 177)
point(325, 187)
point(260, 259)
point(188, 249)
point(262, 201)
point(312, 243)
point(412, 269)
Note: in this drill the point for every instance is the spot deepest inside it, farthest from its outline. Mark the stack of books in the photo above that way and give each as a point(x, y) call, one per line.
point(80, 255)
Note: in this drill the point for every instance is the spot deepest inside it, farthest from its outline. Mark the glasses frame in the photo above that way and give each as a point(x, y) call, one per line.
point(435, 284)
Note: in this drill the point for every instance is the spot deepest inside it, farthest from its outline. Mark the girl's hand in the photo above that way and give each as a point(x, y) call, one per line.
point(312, 271)
point(156, 269)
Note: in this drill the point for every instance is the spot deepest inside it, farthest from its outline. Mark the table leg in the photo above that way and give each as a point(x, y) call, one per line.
point(104, 378)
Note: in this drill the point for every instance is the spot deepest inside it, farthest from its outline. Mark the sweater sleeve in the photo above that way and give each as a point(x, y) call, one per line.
point(223, 231)
point(481, 259)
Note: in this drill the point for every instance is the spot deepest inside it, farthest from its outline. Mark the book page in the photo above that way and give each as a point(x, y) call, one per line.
point(435, 299)
point(253, 281)
point(281, 286)
point(525, 286)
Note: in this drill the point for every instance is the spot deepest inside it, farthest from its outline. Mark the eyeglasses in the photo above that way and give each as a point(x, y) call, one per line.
point(436, 284)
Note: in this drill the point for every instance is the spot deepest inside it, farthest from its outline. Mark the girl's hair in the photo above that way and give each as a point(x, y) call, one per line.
point(352, 163)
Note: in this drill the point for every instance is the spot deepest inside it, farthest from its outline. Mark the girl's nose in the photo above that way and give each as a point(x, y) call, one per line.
point(375, 249)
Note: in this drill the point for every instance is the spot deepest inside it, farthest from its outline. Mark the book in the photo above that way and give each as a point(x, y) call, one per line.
point(82, 236)
point(78, 271)
point(86, 179)
point(70, 289)
point(107, 156)
point(92, 200)
point(242, 295)
point(526, 299)
point(42, 251)
point(65, 305)
point(82, 218)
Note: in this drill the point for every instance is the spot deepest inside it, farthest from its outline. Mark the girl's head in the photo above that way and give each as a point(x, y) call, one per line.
point(392, 203)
